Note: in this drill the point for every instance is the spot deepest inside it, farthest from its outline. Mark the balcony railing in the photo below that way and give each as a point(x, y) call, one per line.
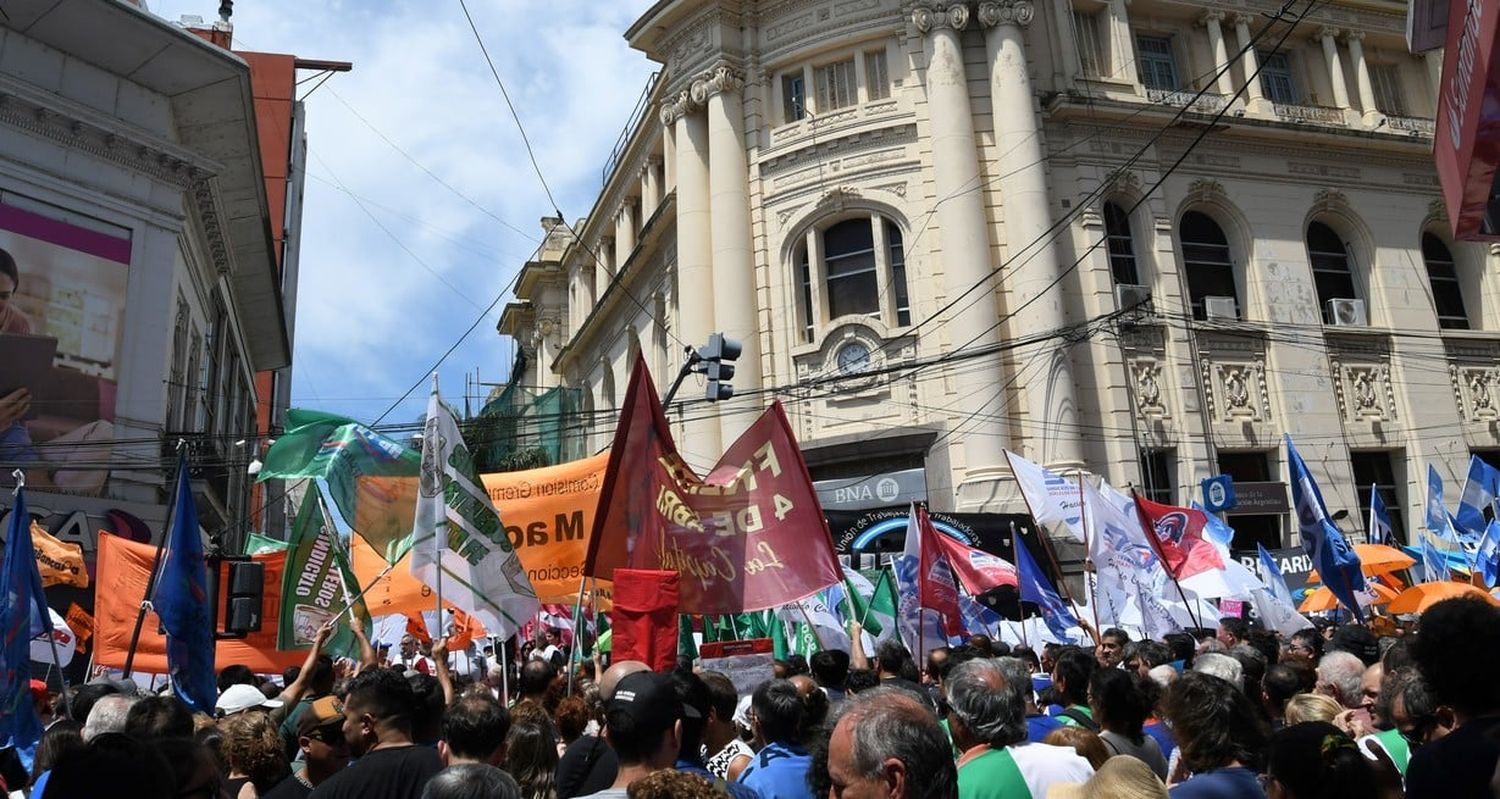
point(1418, 125)
point(1309, 113)
point(1206, 103)
point(642, 105)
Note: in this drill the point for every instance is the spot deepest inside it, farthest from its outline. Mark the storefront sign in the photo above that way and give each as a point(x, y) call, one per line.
point(1467, 139)
point(1259, 498)
point(873, 491)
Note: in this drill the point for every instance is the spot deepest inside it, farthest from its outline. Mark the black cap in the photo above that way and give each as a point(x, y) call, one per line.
point(650, 700)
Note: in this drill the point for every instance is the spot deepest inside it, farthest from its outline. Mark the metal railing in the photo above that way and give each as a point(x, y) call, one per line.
point(1309, 113)
point(1206, 103)
point(641, 105)
point(1425, 127)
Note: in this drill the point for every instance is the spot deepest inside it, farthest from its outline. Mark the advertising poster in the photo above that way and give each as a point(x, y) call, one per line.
point(62, 308)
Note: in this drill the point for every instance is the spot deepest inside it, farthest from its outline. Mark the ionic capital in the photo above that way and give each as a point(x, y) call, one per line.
point(1328, 32)
point(1354, 36)
point(928, 18)
point(1211, 17)
point(993, 13)
point(721, 79)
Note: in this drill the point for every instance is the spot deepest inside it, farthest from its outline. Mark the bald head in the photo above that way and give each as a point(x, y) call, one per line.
point(805, 685)
point(617, 672)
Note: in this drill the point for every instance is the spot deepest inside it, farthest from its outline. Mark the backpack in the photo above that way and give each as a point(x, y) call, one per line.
point(1082, 719)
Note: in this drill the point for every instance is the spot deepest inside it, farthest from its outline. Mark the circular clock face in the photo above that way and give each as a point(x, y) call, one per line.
point(854, 358)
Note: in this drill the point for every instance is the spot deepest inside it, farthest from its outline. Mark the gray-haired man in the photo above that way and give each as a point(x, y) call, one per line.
point(987, 717)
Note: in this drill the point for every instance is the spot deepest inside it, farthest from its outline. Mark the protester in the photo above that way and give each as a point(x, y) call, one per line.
point(113, 765)
point(728, 754)
point(157, 717)
point(1339, 676)
point(474, 730)
point(886, 745)
point(894, 663)
point(378, 728)
point(1111, 648)
point(1281, 683)
point(779, 768)
point(830, 667)
point(986, 716)
point(1220, 665)
point(471, 781)
point(694, 696)
point(1087, 744)
point(1457, 647)
point(1071, 671)
point(109, 714)
point(643, 728)
point(321, 748)
point(1307, 644)
point(530, 755)
point(1232, 630)
point(1119, 778)
point(1317, 761)
point(1143, 656)
point(1219, 738)
point(1303, 708)
point(1016, 672)
point(257, 760)
point(590, 765)
point(241, 697)
point(1121, 701)
point(673, 784)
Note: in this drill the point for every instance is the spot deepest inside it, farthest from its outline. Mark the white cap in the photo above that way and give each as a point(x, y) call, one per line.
point(241, 697)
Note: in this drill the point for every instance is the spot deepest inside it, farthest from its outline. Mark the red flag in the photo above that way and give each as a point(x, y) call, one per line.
point(751, 535)
point(416, 627)
point(977, 571)
point(935, 589)
point(1177, 534)
point(645, 618)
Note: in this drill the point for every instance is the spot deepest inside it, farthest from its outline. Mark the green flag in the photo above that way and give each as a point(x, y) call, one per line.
point(780, 647)
point(257, 544)
point(687, 648)
point(372, 479)
point(317, 583)
point(804, 642)
point(879, 614)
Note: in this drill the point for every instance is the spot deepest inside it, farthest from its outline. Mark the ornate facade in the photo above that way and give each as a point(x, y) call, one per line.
point(1140, 239)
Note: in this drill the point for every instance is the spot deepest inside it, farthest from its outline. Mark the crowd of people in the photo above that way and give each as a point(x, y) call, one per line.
point(1231, 713)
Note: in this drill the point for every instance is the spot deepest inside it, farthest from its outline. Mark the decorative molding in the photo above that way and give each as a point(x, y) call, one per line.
point(1331, 200)
point(1150, 395)
point(1364, 390)
point(722, 78)
point(1474, 388)
point(1438, 210)
point(931, 18)
point(1205, 190)
point(995, 13)
point(1327, 32)
point(1211, 15)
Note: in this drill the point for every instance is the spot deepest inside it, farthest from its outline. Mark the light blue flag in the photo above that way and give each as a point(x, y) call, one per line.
point(1270, 574)
point(22, 617)
point(1480, 488)
point(1219, 533)
point(977, 617)
point(1380, 530)
point(1489, 554)
point(1335, 560)
point(1434, 564)
point(1437, 511)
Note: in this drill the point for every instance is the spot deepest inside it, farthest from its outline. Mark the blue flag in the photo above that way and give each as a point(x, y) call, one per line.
point(1218, 533)
point(181, 602)
point(22, 618)
point(1270, 574)
point(1034, 587)
point(1480, 488)
point(1489, 554)
point(1331, 554)
point(1434, 563)
point(1380, 528)
point(1437, 514)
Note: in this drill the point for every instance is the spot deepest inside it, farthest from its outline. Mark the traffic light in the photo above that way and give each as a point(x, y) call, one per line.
point(717, 360)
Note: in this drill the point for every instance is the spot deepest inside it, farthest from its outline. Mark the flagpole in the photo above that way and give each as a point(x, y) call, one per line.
point(1042, 534)
point(1150, 534)
point(440, 530)
point(140, 616)
point(504, 671)
point(573, 647)
point(1088, 578)
point(40, 601)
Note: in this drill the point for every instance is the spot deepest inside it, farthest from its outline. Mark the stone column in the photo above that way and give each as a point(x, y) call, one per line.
point(668, 155)
point(1329, 37)
point(735, 300)
point(964, 238)
point(624, 233)
point(1051, 406)
point(1251, 63)
point(1212, 21)
point(1372, 115)
point(650, 187)
point(695, 277)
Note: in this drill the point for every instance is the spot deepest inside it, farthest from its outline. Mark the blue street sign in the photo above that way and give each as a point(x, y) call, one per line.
point(1218, 493)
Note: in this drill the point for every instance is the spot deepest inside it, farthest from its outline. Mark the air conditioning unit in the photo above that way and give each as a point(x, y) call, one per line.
point(1346, 312)
point(1220, 308)
point(1129, 297)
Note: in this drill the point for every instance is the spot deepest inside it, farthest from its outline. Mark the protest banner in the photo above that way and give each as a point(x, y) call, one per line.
point(548, 514)
point(750, 535)
point(59, 563)
point(746, 663)
point(318, 583)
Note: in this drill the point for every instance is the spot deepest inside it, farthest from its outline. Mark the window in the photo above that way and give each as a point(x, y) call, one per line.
point(1090, 46)
point(1205, 258)
point(1332, 273)
point(877, 77)
point(1156, 62)
point(1385, 79)
point(1374, 468)
point(846, 269)
point(1121, 246)
point(1251, 528)
point(1157, 480)
point(1276, 78)
point(794, 97)
point(1447, 293)
point(835, 84)
point(177, 377)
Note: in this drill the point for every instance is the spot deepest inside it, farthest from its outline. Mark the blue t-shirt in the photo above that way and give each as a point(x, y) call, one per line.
point(736, 790)
point(1220, 783)
point(1163, 738)
point(779, 771)
point(1038, 726)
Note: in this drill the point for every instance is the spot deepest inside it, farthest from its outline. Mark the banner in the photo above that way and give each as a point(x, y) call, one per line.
point(81, 623)
point(59, 563)
point(548, 514)
point(318, 583)
point(750, 535)
point(125, 566)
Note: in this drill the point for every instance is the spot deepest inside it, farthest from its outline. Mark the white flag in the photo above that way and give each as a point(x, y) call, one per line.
point(459, 547)
point(1054, 500)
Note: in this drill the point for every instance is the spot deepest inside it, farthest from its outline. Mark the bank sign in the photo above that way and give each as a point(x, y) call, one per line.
point(1467, 145)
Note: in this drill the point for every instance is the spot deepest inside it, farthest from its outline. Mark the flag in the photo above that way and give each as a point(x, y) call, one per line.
point(23, 617)
point(1215, 531)
point(257, 544)
point(1177, 534)
point(936, 590)
point(181, 601)
point(687, 646)
point(1488, 554)
point(58, 562)
point(1434, 564)
point(458, 546)
point(1034, 587)
point(1380, 529)
point(1335, 560)
point(816, 614)
point(371, 479)
point(978, 618)
point(81, 622)
point(977, 571)
point(1054, 500)
point(318, 583)
point(1123, 559)
point(1437, 513)
point(850, 600)
point(1480, 488)
point(1270, 574)
point(748, 536)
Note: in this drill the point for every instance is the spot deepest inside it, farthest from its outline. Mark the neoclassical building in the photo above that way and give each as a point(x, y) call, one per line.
point(1141, 239)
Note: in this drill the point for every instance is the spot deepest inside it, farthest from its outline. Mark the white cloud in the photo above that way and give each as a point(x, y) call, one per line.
point(371, 320)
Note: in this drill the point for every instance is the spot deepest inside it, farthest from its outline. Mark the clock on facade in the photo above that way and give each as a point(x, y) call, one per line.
point(854, 358)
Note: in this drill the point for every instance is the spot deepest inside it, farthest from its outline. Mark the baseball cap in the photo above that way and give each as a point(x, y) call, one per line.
point(650, 700)
point(241, 697)
point(324, 711)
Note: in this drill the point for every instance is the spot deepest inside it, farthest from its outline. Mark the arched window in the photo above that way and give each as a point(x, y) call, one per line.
point(1447, 292)
point(1205, 258)
point(1333, 272)
point(854, 267)
point(1121, 246)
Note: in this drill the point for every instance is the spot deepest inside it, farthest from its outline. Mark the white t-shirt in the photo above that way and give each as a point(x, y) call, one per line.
point(545, 653)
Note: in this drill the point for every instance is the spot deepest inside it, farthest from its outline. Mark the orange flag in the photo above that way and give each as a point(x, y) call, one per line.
point(393, 590)
point(81, 623)
point(465, 629)
point(59, 563)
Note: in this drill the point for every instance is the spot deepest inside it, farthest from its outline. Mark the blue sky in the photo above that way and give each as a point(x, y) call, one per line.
point(395, 265)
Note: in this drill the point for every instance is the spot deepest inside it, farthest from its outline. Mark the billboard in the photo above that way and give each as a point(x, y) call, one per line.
point(1466, 143)
point(62, 309)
